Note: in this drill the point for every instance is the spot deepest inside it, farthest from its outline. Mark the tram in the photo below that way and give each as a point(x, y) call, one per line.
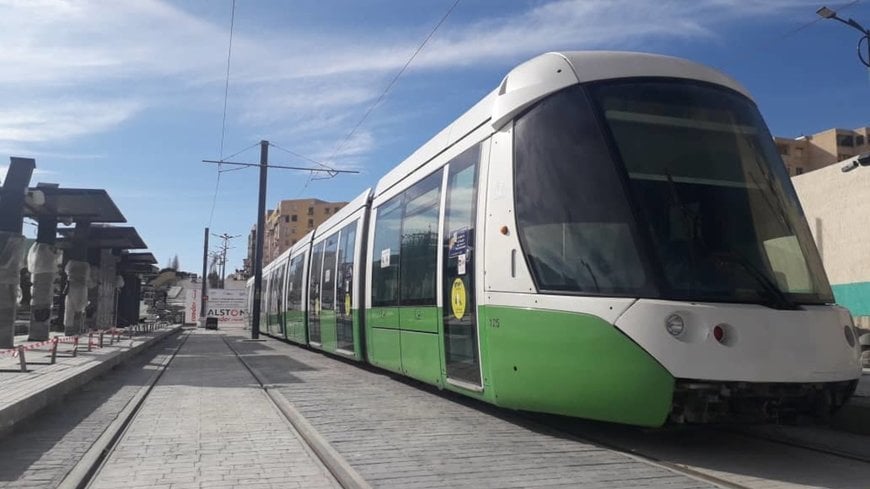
point(606, 235)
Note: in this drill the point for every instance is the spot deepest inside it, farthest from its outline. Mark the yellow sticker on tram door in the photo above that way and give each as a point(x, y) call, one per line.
point(457, 298)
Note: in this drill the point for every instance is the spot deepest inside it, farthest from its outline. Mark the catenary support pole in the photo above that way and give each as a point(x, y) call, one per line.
point(258, 251)
point(203, 295)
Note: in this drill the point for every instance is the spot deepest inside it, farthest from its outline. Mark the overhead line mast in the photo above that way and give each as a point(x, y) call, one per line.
point(261, 221)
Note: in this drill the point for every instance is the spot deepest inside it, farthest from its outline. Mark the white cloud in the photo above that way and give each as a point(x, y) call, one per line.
point(73, 68)
point(46, 120)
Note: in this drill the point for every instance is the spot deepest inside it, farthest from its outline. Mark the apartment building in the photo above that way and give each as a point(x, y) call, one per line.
point(288, 222)
point(809, 153)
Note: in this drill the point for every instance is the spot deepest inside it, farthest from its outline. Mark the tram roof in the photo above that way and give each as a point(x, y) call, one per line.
point(546, 74)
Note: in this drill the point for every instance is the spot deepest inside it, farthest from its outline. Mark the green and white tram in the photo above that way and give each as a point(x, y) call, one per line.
point(606, 235)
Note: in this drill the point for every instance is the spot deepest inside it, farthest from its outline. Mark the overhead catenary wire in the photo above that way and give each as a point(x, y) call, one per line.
point(817, 19)
point(389, 86)
point(293, 153)
point(220, 170)
point(224, 117)
point(741, 53)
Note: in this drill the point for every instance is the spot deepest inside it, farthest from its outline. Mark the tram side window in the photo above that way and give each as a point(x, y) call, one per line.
point(294, 285)
point(279, 291)
point(328, 289)
point(419, 247)
point(385, 253)
point(344, 280)
point(574, 221)
point(264, 299)
point(314, 281)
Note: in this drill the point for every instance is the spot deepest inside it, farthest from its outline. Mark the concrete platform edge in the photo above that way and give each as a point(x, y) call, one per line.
point(14, 414)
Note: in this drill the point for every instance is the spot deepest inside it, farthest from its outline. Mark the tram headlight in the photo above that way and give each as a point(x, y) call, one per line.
point(675, 324)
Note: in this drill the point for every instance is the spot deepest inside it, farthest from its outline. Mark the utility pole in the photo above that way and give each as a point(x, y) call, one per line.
point(261, 221)
point(223, 251)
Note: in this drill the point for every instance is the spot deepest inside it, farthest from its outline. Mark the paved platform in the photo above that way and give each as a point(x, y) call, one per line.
point(207, 423)
point(399, 435)
point(24, 393)
point(40, 451)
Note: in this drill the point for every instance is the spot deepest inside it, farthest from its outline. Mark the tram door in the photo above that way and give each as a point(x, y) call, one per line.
point(460, 310)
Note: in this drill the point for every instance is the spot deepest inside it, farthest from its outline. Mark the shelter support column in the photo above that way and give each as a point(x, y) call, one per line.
point(12, 243)
point(77, 271)
point(42, 263)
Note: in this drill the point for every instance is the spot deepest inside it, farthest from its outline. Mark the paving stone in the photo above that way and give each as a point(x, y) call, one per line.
point(399, 435)
point(207, 423)
point(40, 451)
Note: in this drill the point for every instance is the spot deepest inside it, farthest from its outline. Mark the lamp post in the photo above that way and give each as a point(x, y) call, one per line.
point(827, 13)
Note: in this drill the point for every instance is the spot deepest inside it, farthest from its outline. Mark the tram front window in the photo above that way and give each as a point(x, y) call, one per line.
point(712, 194)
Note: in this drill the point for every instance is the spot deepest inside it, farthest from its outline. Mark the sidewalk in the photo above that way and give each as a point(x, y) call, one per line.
point(207, 423)
point(24, 393)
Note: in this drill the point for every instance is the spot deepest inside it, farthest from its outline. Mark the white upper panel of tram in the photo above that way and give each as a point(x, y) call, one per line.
point(546, 74)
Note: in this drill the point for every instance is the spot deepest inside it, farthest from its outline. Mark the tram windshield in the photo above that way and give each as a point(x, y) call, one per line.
point(712, 193)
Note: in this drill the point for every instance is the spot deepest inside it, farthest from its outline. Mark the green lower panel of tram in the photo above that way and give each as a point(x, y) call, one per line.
point(295, 329)
point(406, 340)
point(383, 348)
point(572, 364)
point(421, 356)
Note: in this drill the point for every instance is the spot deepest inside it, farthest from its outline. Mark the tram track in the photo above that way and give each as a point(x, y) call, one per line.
point(665, 448)
point(340, 469)
point(87, 468)
point(791, 442)
point(549, 424)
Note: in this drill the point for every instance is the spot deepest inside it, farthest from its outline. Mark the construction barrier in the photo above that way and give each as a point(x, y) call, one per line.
point(114, 334)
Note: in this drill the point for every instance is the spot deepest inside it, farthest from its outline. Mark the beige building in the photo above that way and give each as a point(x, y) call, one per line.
point(290, 221)
point(837, 210)
point(809, 153)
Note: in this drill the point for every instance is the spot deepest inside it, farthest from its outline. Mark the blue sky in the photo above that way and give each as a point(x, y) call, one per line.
point(128, 96)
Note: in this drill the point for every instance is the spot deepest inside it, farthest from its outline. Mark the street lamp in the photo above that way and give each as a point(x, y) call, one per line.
point(860, 160)
point(827, 13)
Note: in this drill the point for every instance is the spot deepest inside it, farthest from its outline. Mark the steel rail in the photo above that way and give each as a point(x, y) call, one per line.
point(87, 468)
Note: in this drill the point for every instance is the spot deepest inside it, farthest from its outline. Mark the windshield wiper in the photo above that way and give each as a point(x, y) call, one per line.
point(591, 274)
point(780, 298)
point(690, 220)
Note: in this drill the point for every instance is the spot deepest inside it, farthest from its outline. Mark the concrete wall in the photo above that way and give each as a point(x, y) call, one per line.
point(837, 207)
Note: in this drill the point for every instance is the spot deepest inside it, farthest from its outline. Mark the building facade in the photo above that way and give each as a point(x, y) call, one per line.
point(286, 224)
point(810, 153)
point(836, 207)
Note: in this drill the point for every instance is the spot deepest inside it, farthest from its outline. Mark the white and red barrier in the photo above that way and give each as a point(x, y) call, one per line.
point(114, 334)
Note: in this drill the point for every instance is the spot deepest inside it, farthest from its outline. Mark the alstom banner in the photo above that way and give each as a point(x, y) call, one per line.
point(191, 306)
point(228, 305)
